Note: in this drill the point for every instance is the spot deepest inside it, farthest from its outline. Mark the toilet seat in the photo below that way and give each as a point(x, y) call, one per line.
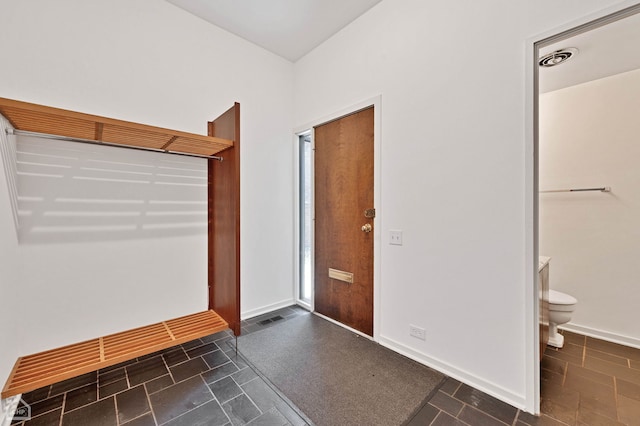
point(559, 298)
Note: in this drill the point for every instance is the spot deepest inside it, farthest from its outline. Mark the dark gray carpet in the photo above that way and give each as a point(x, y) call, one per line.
point(336, 377)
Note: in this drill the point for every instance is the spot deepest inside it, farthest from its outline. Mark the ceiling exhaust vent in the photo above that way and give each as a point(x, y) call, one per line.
point(558, 57)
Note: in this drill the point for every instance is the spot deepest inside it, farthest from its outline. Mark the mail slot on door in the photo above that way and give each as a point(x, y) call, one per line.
point(341, 275)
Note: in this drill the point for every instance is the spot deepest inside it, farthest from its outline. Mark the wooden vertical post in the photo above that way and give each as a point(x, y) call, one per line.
point(224, 221)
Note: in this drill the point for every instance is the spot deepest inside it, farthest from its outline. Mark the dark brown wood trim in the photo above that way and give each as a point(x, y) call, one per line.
point(224, 221)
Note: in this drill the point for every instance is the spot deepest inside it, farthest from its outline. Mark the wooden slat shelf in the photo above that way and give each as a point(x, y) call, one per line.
point(45, 368)
point(54, 121)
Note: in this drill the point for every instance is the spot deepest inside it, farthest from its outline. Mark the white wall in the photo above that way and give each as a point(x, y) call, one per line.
point(589, 138)
point(107, 238)
point(150, 62)
point(11, 336)
point(452, 79)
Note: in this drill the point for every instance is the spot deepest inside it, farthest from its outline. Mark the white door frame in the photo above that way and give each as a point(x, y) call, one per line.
point(584, 24)
point(376, 101)
point(297, 213)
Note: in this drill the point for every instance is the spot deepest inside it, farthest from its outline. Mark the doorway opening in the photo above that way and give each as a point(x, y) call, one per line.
point(344, 216)
point(575, 131)
point(337, 195)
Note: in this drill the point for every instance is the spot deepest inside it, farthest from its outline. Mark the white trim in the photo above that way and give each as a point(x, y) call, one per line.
point(377, 203)
point(585, 20)
point(376, 101)
point(602, 335)
point(531, 332)
point(338, 323)
point(296, 220)
point(305, 305)
point(266, 309)
point(296, 216)
point(517, 400)
point(532, 305)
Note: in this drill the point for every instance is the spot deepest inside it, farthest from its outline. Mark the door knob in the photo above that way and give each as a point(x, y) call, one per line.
point(367, 227)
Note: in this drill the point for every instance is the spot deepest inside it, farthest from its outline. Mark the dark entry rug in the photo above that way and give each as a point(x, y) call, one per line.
point(336, 377)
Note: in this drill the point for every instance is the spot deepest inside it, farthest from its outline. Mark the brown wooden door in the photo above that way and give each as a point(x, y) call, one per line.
point(343, 191)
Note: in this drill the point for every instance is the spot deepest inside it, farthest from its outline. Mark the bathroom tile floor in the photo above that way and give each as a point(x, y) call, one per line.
point(588, 382)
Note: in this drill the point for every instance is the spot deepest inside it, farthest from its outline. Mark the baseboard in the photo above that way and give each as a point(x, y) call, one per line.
point(265, 309)
point(489, 388)
point(602, 335)
point(8, 408)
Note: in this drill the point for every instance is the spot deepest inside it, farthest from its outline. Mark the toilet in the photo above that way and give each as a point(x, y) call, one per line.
point(561, 306)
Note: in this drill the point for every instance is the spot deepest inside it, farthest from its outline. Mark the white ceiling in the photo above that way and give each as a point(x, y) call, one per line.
point(604, 51)
point(292, 28)
point(289, 28)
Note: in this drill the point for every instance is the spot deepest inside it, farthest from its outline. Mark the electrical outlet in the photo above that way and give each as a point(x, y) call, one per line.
point(417, 332)
point(395, 237)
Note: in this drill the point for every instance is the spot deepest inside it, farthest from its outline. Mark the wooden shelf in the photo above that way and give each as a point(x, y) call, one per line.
point(45, 368)
point(54, 121)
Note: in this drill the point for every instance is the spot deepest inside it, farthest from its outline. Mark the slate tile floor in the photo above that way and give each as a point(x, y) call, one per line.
point(588, 382)
point(201, 382)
